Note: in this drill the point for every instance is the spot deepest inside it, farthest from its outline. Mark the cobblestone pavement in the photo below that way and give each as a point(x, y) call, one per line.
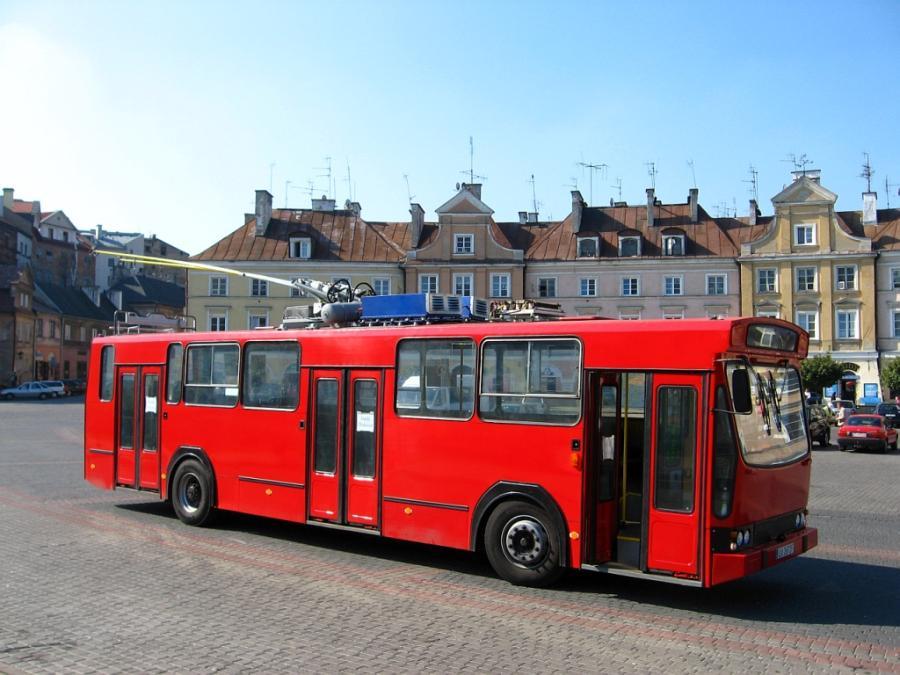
point(98, 581)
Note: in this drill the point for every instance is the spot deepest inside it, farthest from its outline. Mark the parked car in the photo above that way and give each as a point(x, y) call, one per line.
point(55, 387)
point(27, 390)
point(819, 425)
point(890, 412)
point(867, 431)
point(865, 409)
point(74, 387)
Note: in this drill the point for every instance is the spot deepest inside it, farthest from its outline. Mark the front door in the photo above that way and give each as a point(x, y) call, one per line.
point(345, 448)
point(673, 532)
point(126, 427)
point(148, 439)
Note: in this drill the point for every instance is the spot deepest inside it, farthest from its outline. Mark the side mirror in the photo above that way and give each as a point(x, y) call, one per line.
point(740, 391)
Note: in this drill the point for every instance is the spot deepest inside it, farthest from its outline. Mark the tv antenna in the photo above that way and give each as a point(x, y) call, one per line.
point(888, 186)
point(651, 171)
point(690, 163)
point(287, 184)
point(534, 201)
point(326, 175)
point(348, 182)
point(591, 167)
point(471, 171)
point(271, 175)
point(800, 163)
point(574, 184)
point(754, 183)
point(867, 172)
point(409, 195)
point(618, 187)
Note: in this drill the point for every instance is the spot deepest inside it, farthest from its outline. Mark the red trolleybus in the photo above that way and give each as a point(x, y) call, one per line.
point(672, 450)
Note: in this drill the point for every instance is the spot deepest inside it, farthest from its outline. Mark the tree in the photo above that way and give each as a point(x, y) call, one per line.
point(890, 375)
point(820, 371)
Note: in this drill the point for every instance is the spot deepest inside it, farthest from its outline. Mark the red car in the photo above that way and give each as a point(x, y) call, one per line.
point(867, 431)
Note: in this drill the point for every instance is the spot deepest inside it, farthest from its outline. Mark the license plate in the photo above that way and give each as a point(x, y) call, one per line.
point(858, 435)
point(784, 551)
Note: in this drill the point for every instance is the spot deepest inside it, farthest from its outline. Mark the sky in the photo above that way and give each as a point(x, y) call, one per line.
point(164, 117)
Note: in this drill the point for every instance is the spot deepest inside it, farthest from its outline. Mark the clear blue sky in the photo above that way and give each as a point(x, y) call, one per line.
point(164, 117)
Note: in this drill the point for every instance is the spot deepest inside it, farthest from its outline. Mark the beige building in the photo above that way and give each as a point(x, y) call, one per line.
point(809, 265)
point(322, 243)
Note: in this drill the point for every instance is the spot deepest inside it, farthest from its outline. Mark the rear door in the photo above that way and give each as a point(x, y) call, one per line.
point(148, 439)
point(327, 446)
point(363, 447)
point(126, 426)
point(674, 495)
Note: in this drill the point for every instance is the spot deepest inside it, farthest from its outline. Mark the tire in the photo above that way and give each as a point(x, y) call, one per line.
point(522, 544)
point(192, 493)
point(43, 397)
point(8, 397)
point(824, 441)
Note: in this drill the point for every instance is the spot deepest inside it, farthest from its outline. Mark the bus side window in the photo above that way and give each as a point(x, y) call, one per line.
point(271, 375)
point(174, 361)
point(107, 365)
point(436, 378)
point(211, 376)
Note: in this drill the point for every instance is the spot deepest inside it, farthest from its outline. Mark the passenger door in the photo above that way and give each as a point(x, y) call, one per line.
point(126, 427)
point(674, 496)
point(345, 448)
point(148, 440)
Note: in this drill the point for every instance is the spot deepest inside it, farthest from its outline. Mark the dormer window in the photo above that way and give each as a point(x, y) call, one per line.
point(301, 247)
point(463, 244)
point(588, 247)
point(804, 234)
point(673, 244)
point(629, 247)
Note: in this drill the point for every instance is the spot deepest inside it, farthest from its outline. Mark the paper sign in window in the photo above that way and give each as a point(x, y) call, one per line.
point(365, 421)
point(150, 404)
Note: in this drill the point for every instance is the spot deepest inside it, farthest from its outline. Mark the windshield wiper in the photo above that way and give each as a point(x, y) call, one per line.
point(774, 394)
point(763, 396)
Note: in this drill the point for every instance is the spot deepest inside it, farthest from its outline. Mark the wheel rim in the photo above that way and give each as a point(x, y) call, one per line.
point(525, 542)
point(190, 493)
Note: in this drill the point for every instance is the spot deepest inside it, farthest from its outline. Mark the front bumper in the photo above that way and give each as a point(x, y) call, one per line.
point(862, 443)
point(729, 566)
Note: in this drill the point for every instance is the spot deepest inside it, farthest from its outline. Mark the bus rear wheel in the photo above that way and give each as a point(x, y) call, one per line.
point(522, 544)
point(192, 489)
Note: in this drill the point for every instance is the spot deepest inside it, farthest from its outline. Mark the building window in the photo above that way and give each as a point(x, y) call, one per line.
point(673, 244)
point(499, 285)
point(629, 246)
point(673, 313)
point(895, 278)
point(428, 283)
point(588, 287)
point(717, 313)
point(218, 285)
point(82, 334)
point(896, 317)
point(806, 279)
point(768, 313)
point(257, 320)
point(259, 288)
point(809, 321)
point(631, 286)
point(301, 247)
point(39, 324)
point(588, 247)
point(382, 285)
point(804, 234)
point(673, 286)
point(52, 328)
point(716, 284)
point(462, 284)
point(296, 292)
point(218, 321)
point(629, 315)
point(847, 324)
point(845, 277)
point(766, 281)
point(547, 287)
point(463, 244)
point(67, 331)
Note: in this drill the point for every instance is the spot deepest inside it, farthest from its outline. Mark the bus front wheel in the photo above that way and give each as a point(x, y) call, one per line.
point(192, 489)
point(522, 544)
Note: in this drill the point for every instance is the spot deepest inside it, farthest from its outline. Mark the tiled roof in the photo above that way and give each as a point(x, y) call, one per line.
point(336, 236)
point(21, 206)
point(707, 237)
point(142, 290)
point(9, 274)
point(73, 302)
point(885, 235)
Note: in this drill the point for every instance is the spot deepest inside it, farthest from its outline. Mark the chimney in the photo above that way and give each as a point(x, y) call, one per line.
point(870, 208)
point(754, 212)
point(115, 297)
point(263, 212)
point(523, 217)
point(98, 232)
point(416, 223)
point(323, 204)
point(651, 203)
point(815, 175)
point(474, 188)
point(693, 197)
point(355, 208)
point(577, 209)
point(8, 198)
point(532, 216)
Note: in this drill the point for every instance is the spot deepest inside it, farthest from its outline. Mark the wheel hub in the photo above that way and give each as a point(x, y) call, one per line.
point(191, 494)
point(525, 542)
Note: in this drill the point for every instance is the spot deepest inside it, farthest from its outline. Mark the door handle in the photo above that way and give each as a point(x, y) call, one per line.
point(165, 415)
point(302, 424)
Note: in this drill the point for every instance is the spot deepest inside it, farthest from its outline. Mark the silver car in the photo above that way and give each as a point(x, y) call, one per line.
point(27, 390)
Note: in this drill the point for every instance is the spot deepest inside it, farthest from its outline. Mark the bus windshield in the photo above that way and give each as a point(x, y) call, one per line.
point(775, 431)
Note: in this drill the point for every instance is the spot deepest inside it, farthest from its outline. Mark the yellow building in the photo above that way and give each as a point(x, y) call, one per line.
point(808, 265)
